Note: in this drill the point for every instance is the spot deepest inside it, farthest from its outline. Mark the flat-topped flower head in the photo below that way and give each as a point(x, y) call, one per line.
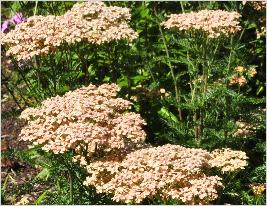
point(91, 22)
point(213, 22)
point(171, 170)
point(88, 117)
point(228, 160)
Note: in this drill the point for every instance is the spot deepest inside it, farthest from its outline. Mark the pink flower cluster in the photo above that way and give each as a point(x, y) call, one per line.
point(213, 22)
point(90, 117)
point(91, 22)
point(171, 171)
point(238, 76)
point(228, 160)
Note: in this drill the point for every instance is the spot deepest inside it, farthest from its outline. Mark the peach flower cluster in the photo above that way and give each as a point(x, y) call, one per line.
point(213, 22)
point(238, 76)
point(243, 129)
point(241, 80)
point(171, 171)
point(228, 160)
point(258, 188)
point(90, 22)
point(258, 5)
point(88, 119)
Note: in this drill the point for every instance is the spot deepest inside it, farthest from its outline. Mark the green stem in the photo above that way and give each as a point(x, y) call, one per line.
point(27, 84)
point(230, 56)
point(54, 77)
point(13, 96)
point(182, 6)
point(227, 82)
point(177, 90)
point(35, 8)
point(11, 91)
point(71, 187)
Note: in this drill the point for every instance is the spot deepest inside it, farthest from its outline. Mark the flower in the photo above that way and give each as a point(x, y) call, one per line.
point(162, 91)
point(23, 201)
point(213, 22)
point(258, 5)
point(18, 18)
point(91, 22)
point(239, 69)
point(252, 72)
point(87, 119)
point(238, 80)
point(228, 160)
point(258, 188)
point(176, 171)
point(4, 26)
point(243, 129)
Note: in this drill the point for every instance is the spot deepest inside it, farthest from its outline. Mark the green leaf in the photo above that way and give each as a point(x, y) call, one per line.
point(122, 82)
point(15, 7)
point(139, 78)
point(91, 70)
point(166, 114)
point(65, 88)
point(3, 189)
point(40, 198)
point(259, 90)
point(43, 175)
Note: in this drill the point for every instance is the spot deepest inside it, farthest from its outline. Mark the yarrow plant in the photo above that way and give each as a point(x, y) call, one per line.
point(90, 22)
point(109, 143)
point(88, 117)
point(238, 76)
point(92, 144)
point(170, 171)
point(202, 34)
point(228, 160)
point(213, 22)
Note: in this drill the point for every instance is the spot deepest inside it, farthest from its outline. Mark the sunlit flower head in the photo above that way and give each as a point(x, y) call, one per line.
point(213, 22)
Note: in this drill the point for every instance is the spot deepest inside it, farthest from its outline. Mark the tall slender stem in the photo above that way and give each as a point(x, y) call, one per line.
point(177, 90)
point(182, 6)
point(71, 187)
point(35, 8)
point(13, 96)
point(11, 91)
point(227, 82)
